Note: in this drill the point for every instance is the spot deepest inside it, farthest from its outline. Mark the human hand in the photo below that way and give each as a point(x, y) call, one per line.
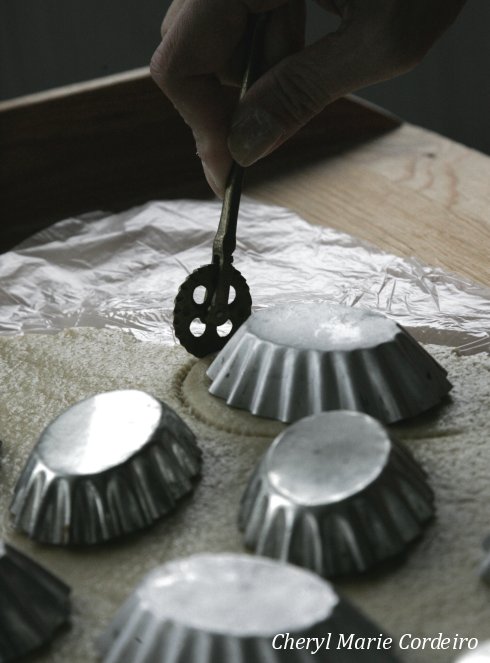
point(202, 51)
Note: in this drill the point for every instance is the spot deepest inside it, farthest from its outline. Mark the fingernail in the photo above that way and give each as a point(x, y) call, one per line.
point(252, 136)
point(211, 180)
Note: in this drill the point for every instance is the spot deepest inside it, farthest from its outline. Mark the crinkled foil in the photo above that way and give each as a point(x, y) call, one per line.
point(123, 271)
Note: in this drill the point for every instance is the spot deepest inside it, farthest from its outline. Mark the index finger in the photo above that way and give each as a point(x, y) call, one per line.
point(196, 46)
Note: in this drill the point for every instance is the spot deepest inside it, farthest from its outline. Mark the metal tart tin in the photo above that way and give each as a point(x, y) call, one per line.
point(336, 494)
point(233, 609)
point(291, 361)
point(479, 655)
point(106, 466)
point(484, 570)
point(33, 604)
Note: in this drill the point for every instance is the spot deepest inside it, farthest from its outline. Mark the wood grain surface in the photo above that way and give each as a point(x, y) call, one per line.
point(115, 142)
point(411, 192)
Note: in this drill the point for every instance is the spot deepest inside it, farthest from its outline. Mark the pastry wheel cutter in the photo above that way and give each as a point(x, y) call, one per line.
point(203, 324)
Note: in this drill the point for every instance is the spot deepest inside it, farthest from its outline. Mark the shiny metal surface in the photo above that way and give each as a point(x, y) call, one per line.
point(106, 466)
point(227, 609)
point(479, 655)
point(338, 328)
point(484, 570)
point(334, 493)
point(34, 604)
point(325, 459)
point(295, 360)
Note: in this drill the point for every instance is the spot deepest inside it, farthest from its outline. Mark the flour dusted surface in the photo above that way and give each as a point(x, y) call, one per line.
point(434, 589)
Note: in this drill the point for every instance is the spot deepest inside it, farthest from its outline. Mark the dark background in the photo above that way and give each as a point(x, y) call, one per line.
point(48, 43)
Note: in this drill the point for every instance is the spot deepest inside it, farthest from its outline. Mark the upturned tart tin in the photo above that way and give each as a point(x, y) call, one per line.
point(34, 604)
point(229, 608)
point(484, 570)
point(336, 494)
point(106, 466)
point(479, 655)
point(290, 361)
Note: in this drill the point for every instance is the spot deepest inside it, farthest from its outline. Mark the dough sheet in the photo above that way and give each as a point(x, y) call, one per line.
point(435, 588)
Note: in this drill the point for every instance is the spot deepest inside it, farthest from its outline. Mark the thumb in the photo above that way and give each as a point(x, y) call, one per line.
point(291, 93)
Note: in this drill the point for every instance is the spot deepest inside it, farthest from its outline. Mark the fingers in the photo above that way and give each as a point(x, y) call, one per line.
point(333, 6)
point(171, 16)
point(376, 40)
point(193, 48)
point(288, 95)
point(200, 38)
point(203, 43)
point(285, 33)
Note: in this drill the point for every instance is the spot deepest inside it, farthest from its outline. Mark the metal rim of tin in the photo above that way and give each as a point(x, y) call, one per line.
point(291, 361)
point(484, 569)
point(227, 608)
point(479, 655)
point(107, 466)
point(34, 604)
point(366, 500)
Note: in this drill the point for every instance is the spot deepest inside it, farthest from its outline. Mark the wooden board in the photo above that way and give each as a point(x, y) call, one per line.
point(116, 142)
point(411, 192)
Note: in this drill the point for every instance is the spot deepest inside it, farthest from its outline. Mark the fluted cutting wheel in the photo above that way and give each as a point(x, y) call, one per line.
point(197, 333)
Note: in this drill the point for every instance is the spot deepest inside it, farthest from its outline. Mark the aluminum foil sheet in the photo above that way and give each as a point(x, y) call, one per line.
point(123, 270)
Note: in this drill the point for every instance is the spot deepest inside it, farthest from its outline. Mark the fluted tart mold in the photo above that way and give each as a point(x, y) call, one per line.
point(479, 655)
point(34, 604)
point(107, 466)
point(336, 494)
point(295, 360)
point(228, 609)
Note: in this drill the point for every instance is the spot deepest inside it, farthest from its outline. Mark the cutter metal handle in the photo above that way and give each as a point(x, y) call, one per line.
point(225, 240)
point(219, 313)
